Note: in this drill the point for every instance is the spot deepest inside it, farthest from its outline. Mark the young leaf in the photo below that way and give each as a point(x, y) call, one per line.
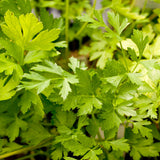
point(132, 53)
point(24, 30)
point(141, 42)
point(114, 20)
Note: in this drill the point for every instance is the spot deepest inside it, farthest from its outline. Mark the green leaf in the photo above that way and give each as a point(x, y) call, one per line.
point(117, 145)
point(48, 21)
point(76, 147)
point(8, 67)
point(43, 41)
point(65, 77)
point(83, 121)
point(40, 82)
point(132, 53)
point(69, 158)
point(125, 109)
point(38, 56)
point(135, 78)
point(26, 101)
point(14, 128)
point(7, 87)
point(146, 151)
point(114, 20)
point(141, 42)
point(46, 18)
point(9, 147)
point(10, 47)
point(27, 23)
point(139, 128)
point(16, 6)
point(64, 118)
point(110, 120)
point(88, 106)
point(65, 89)
point(93, 154)
point(35, 133)
point(12, 28)
point(74, 64)
point(114, 80)
point(23, 31)
point(113, 68)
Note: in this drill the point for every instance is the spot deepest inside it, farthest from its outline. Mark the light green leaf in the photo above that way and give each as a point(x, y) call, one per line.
point(38, 56)
point(30, 27)
point(140, 41)
point(114, 20)
point(7, 66)
point(24, 32)
point(65, 89)
point(7, 89)
point(118, 145)
point(126, 110)
point(12, 28)
point(43, 41)
point(139, 128)
point(93, 154)
point(74, 63)
point(12, 49)
point(88, 105)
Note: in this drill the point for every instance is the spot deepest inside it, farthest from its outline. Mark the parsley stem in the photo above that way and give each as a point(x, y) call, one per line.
point(96, 125)
point(32, 155)
point(23, 150)
point(144, 6)
point(85, 24)
point(132, 4)
point(124, 57)
point(135, 67)
point(67, 28)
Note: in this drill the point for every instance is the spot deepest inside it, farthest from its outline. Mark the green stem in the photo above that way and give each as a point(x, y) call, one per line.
point(124, 57)
point(144, 6)
point(40, 145)
point(132, 4)
point(67, 28)
point(85, 24)
point(159, 114)
point(95, 122)
point(135, 67)
point(31, 155)
point(104, 8)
